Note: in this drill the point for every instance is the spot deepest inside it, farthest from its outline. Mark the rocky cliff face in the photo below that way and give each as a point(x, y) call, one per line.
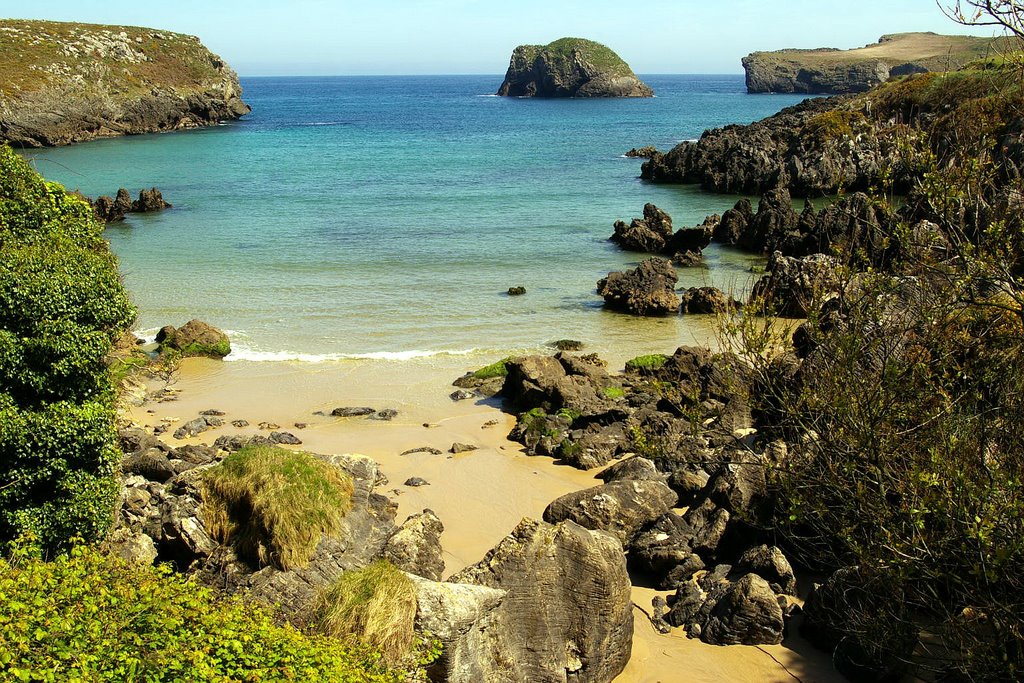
point(831, 71)
point(66, 82)
point(570, 67)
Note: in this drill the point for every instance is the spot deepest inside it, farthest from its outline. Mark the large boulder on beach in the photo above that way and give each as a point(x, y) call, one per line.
point(566, 616)
point(648, 289)
point(194, 338)
point(554, 383)
point(570, 67)
point(620, 507)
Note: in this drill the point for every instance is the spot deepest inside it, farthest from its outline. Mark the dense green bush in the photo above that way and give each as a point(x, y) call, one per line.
point(89, 617)
point(62, 304)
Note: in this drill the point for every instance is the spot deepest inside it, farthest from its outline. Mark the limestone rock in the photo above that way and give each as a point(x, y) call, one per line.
point(746, 612)
point(770, 564)
point(567, 615)
point(570, 67)
point(415, 547)
point(620, 507)
point(648, 289)
point(791, 284)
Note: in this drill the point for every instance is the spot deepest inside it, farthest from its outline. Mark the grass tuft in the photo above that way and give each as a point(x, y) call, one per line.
point(649, 362)
point(498, 369)
point(275, 505)
point(375, 605)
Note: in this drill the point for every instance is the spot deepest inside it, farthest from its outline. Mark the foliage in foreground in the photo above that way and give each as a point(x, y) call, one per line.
point(275, 505)
point(90, 617)
point(62, 305)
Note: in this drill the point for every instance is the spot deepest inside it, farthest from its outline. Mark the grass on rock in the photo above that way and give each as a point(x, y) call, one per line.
point(275, 505)
point(375, 605)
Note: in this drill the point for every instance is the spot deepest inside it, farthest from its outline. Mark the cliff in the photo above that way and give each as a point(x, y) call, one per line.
point(67, 82)
point(570, 67)
point(832, 71)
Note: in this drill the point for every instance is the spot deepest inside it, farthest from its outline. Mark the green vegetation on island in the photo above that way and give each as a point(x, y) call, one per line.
point(570, 67)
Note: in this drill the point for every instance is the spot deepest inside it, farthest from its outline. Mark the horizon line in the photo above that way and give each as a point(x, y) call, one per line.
point(495, 75)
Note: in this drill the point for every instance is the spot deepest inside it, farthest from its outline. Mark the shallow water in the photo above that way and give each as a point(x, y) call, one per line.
point(385, 217)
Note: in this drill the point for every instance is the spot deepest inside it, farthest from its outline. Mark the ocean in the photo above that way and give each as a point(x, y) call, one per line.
point(385, 217)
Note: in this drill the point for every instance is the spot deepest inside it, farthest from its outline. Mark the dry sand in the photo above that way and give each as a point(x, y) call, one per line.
point(480, 495)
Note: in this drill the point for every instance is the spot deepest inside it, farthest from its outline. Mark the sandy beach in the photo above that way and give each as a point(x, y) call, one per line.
point(479, 495)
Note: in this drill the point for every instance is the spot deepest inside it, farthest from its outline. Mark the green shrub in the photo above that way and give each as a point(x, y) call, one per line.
point(59, 281)
point(275, 505)
point(65, 362)
point(375, 605)
point(614, 393)
point(56, 471)
point(649, 362)
point(89, 617)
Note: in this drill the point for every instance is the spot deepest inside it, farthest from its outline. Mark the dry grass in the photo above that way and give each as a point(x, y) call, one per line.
point(376, 605)
point(275, 505)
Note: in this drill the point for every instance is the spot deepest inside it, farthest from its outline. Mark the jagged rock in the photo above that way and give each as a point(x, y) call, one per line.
point(567, 615)
point(774, 223)
point(570, 67)
point(735, 223)
point(709, 524)
point(688, 259)
point(688, 480)
point(770, 564)
point(415, 547)
point(555, 383)
point(149, 200)
point(634, 468)
point(641, 152)
point(416, 481)
point(567, 344)
point(237, 442)
point(791, 284)
point(693, 239)
point(746, 612)
point(664, 548)
point(138, 81)
point(195, 338)
point(740, 487)
point(648, 289)
point(685, 604)
point(620, 508)
point(705, 301)
point(112, 210)
point(649, 234)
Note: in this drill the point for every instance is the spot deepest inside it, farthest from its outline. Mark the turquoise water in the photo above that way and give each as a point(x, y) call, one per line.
point(386, 216)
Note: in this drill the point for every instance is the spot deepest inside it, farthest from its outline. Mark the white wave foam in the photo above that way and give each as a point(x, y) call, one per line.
point(244, 354)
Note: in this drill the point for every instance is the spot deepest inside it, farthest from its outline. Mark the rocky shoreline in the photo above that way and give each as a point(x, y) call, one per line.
point(67, 83)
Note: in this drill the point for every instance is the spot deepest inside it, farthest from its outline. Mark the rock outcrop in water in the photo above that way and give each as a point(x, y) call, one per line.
point(570, 67)
point(68, 82)
point(831, 71)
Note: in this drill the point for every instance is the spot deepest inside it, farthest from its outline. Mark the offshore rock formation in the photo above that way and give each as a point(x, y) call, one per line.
point(570, 67)
point(831, 71)
point(68, 82)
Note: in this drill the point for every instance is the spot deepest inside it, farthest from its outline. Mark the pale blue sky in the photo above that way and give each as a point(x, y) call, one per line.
point(475, 36)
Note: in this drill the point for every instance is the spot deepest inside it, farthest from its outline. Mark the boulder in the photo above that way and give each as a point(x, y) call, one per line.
point(735, 223)
point(648, 289)
point(693, 239)
point(634, 468)
point(194, 338)
point(792, 285)
point(746, 612)
point(567, 614)
point(770, 564)
point(595, 445)
point(570, 67)
point(148, 201)
point(553, 383)
point(650, 234)
point(620, 508)
point(705, 301)
point(415, 547)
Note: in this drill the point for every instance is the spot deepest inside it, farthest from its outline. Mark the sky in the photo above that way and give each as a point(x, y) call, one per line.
point(341, 37)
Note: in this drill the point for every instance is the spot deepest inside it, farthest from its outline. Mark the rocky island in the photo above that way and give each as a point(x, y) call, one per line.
point(570, 67)
point(69, 82)
point(831, 71)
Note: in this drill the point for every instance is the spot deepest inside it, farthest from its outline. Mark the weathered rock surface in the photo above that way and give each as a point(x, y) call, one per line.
point(415, 547)
point(620, 507)
point(570, 67)
point(831, 71)
point(70, 82)
point(195, 338)
point(770, 563)
point(791, 284)
point(566, 615)
point(705, 300)
point(649, 234)
point(746, 612)
point(649, 289)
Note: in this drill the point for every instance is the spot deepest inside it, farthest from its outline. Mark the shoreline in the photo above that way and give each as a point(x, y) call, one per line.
point(479, 495)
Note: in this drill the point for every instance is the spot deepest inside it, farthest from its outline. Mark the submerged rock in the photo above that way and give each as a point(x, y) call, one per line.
point(570, 67)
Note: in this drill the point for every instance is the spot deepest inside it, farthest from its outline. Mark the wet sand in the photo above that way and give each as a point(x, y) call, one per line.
point(479, 495)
